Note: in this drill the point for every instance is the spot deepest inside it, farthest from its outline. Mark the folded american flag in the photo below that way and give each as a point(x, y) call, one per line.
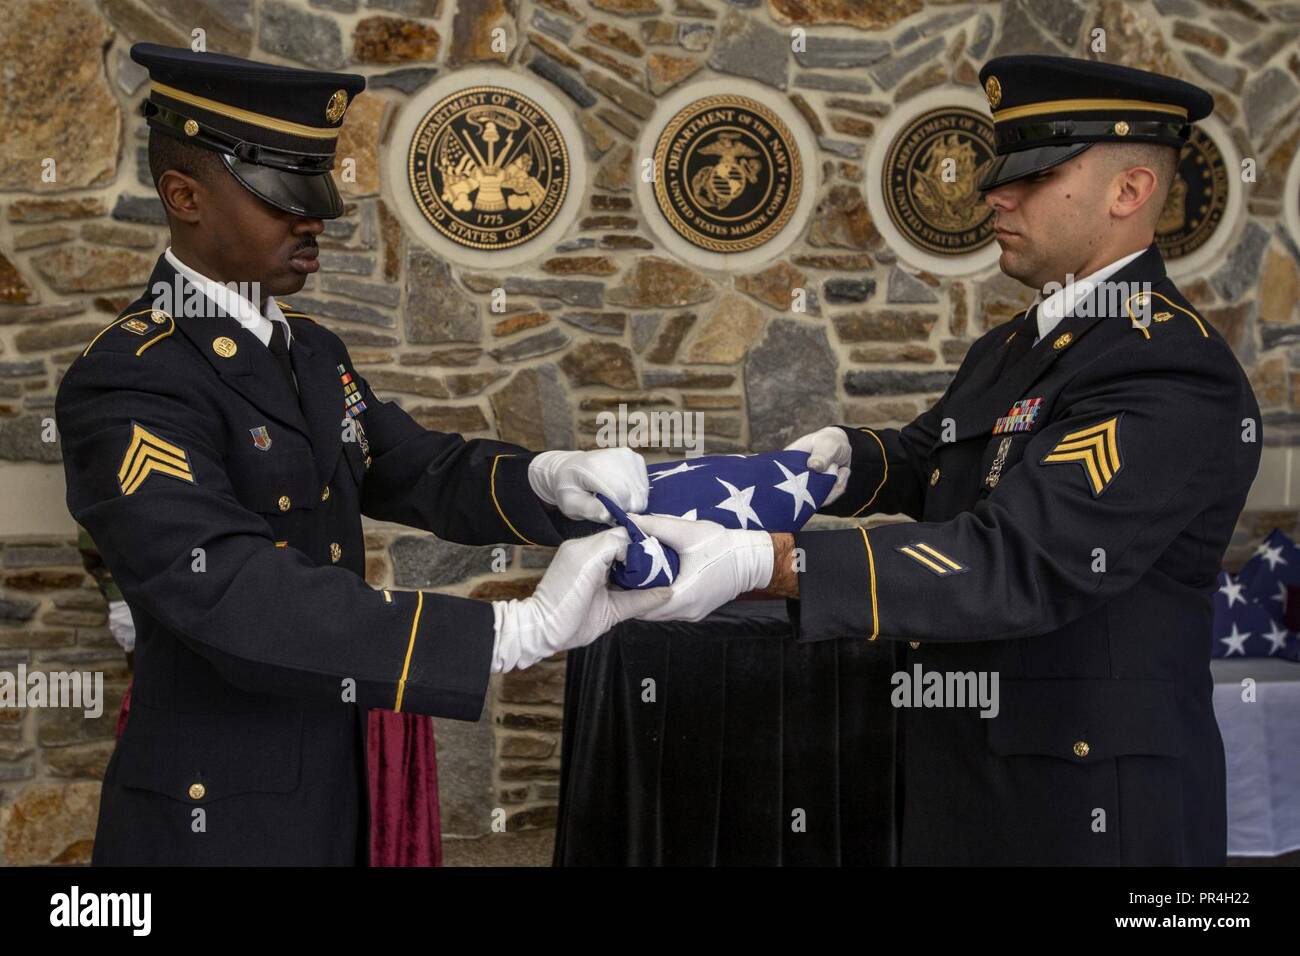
point(1250, 607)
point(774, 491)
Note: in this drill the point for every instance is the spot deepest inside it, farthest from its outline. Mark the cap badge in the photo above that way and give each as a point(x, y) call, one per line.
point(225, 347)
point(338, 105)
point(993, 90)
point(191, 128)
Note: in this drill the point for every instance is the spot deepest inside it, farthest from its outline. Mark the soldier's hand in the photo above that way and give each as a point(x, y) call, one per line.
point(572, 606)
point(570, 480)
point(828, 451)
point(717, 565)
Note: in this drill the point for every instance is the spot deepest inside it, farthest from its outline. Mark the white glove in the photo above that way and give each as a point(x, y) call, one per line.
point(120, 625)
point(828, 451)
point(717, 564)
point(570, 480)
point(572, 606)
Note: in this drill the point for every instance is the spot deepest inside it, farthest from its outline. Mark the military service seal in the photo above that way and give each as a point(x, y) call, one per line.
point(930, 180)
point(488, 167)
point(1197, 199)
point(728, 173)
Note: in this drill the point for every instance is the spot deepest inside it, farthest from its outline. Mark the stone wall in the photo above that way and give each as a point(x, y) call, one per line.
point(602, 315)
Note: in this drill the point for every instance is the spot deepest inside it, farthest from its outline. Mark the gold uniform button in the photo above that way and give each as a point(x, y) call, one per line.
point(284, 502)
point(191, 128)
point(224, 346)
point(336, 552)
point(158, 316)
point(325, 495)
point(1081, 748)
point(1121, 128)
point(197, 791)
point(934, 477)
point(913, 644)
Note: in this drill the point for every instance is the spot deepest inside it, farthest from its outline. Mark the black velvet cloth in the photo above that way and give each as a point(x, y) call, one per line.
point(746, 726)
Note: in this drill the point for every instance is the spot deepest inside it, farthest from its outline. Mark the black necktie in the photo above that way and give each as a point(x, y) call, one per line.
point(1026, 332)
point(279, 346)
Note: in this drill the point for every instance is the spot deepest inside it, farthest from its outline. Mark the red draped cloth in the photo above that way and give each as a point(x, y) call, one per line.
point(404, 826)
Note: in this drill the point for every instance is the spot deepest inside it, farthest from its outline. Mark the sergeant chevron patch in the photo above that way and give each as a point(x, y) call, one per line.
point(932, 559)
point(147, 453)
point(1096, 448)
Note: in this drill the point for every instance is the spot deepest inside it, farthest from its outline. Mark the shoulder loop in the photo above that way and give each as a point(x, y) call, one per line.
point(290, 312)
point(1143, 298)
point(157, 322)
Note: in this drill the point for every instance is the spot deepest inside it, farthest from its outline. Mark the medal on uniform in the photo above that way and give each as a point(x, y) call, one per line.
point(1020, 418)
point(999, 460)
point(261, 438)
point(352, 403)
point(361, 437)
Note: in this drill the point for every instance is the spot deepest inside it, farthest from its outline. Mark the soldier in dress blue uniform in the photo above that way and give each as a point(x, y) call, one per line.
point(221, 448)
point(1074, 491)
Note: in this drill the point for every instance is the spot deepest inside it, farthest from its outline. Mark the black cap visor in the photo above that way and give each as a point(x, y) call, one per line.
point(1012, 166)
point(311, 195)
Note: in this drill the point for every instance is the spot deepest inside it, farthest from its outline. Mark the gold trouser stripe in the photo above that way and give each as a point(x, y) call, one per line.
point(912, 553)
point(884, 457)
point(1066, 106)
point(492, 487)
point(245, 116)
point(871, 566)
point(940, 555)
point(410, 649)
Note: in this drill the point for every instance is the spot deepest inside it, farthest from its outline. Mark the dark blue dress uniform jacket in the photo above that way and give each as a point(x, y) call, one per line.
point(1075, 555)
point(260, 645)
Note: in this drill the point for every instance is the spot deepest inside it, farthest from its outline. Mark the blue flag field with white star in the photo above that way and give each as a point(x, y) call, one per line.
point(1250, 607)
point(774, 491)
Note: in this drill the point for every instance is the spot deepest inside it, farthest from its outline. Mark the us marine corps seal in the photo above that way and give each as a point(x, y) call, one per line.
point(488, 167)
point(930, 182)
point(728, 173)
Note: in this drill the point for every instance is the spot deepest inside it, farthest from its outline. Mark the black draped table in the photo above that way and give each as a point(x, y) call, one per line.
point(726, 742)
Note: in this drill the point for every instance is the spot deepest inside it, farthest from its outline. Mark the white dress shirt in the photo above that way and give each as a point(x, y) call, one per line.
point(1055, 307)
point(233, 304)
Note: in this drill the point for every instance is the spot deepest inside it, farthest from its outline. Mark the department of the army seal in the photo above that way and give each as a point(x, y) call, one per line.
point(488, 167)
point(1197, 199)
point(728, 173)
point(930, 181)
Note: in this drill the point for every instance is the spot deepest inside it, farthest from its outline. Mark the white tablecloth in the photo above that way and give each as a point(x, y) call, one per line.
point(1261, 741)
